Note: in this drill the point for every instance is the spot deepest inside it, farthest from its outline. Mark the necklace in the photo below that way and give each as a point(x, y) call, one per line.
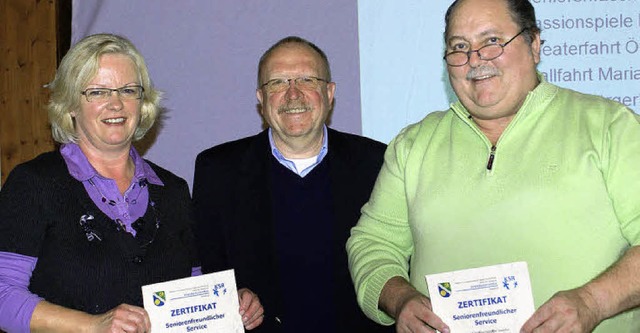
point(120, 225)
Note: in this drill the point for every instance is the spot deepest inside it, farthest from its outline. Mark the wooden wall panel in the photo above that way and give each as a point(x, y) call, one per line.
point(34, 35)
point(28, 59)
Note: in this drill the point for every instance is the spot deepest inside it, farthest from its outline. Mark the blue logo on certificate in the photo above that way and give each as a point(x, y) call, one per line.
point(219, 289)
point(444, 289)
point(510, 282)
point(159, 298)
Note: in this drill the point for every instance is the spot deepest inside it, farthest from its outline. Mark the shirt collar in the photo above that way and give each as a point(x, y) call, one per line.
point(288, 163)
point(80, 168)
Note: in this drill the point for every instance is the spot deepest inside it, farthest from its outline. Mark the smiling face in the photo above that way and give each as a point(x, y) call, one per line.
point(494, 89)
point(109, 125)
point(295, 114)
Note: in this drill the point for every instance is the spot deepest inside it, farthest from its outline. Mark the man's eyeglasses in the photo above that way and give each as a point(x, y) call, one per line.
point(487, 52)
point(103, 94)
point(303, 83)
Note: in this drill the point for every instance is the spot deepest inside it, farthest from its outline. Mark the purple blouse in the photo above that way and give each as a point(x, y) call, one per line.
point(122, 208)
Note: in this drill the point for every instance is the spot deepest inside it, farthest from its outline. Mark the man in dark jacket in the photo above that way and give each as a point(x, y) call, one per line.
point(277, 207)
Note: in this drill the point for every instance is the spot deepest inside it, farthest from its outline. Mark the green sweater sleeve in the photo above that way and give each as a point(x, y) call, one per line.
point(381, 244)
point(620, 150)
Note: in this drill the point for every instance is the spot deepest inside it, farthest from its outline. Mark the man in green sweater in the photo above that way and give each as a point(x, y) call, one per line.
point(517, 170)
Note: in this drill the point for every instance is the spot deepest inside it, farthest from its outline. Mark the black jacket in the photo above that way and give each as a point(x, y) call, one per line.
point(232, 205)
point(41, 206)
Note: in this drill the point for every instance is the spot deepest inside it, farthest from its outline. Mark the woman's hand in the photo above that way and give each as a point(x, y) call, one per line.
point(123, 318)
point(49, 317)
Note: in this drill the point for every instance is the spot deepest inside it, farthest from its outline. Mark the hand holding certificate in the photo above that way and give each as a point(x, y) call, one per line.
point(483, 300)
point(206, 303)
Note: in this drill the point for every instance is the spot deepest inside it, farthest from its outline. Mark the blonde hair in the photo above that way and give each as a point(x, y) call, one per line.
point(78, 67)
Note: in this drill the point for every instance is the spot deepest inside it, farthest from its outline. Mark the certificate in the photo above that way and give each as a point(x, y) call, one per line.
point(205, 303)
point(491, 299)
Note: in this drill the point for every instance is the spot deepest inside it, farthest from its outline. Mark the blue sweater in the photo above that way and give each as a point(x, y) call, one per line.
point(302, 215)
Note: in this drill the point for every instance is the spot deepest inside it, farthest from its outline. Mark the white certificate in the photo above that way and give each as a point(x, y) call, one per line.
point(205, 303)
point(491, 299)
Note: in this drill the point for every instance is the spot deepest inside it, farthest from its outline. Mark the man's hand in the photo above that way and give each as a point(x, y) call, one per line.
point(572, 311)
point(250, 309)
point(410, 308)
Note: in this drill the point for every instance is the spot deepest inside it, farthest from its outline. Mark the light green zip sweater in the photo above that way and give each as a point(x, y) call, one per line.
point(562, 193)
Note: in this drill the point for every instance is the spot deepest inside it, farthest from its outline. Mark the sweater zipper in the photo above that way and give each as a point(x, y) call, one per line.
point(492, 156)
